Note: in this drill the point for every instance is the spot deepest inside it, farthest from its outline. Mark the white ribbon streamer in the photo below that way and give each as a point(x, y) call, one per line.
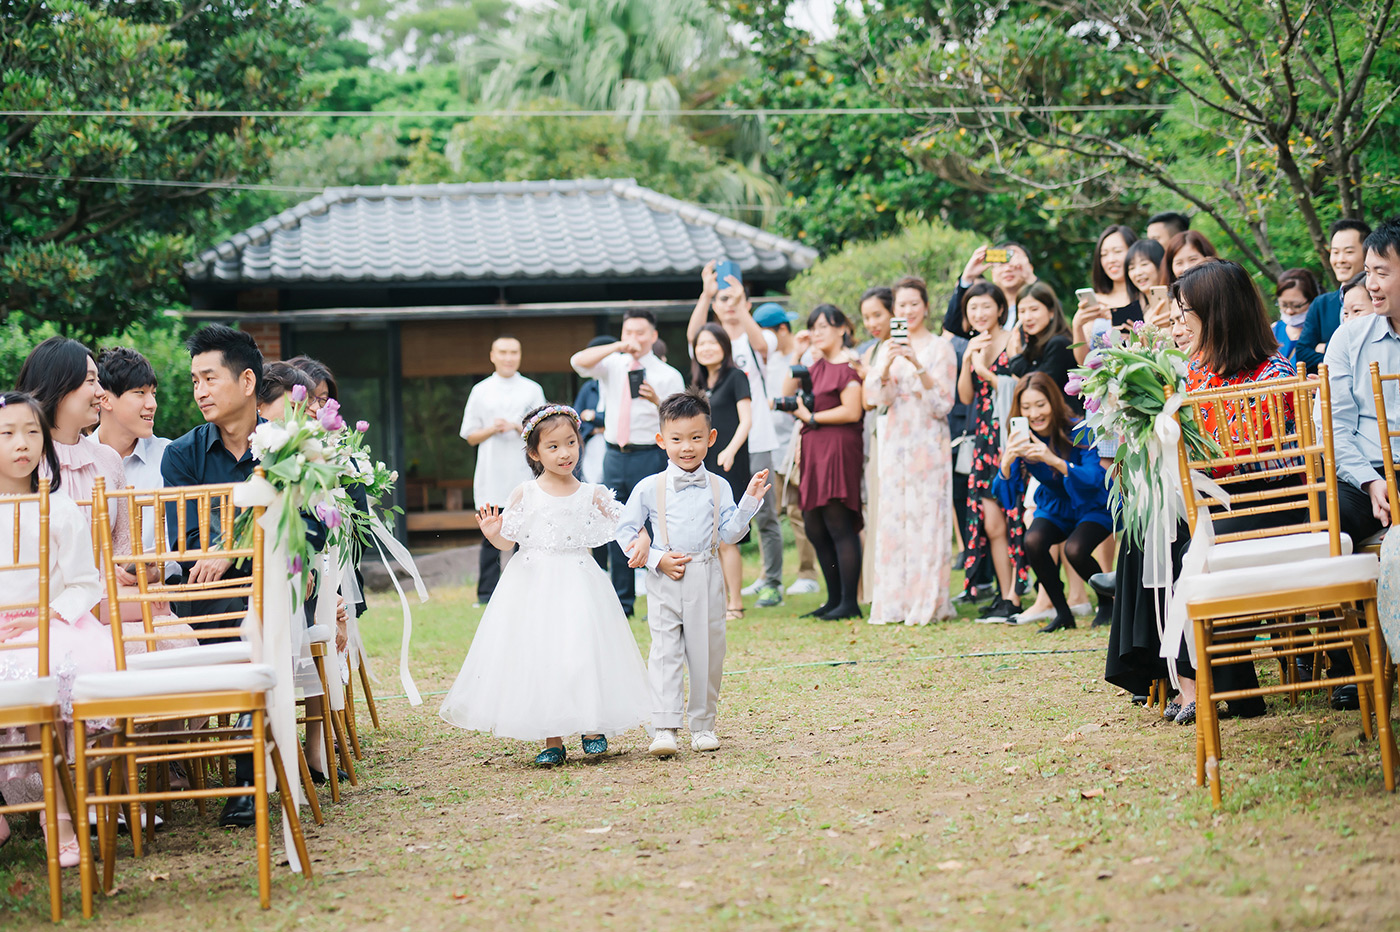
point(383, 541)
point(326, 603)
point(270, 638)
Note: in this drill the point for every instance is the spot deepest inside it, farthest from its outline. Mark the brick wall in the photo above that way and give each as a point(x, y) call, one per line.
point(268, 335)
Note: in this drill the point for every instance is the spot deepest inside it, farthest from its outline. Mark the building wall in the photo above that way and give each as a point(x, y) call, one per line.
point(463, 347)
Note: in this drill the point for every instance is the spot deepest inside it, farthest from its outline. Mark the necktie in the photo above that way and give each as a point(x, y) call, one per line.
point(624, 409)
point(683, 479)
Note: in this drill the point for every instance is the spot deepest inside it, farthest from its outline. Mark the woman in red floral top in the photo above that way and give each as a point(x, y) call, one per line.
point(1231, 344)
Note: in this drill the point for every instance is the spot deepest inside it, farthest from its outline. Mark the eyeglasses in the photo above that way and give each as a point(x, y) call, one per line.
point(1292, 308)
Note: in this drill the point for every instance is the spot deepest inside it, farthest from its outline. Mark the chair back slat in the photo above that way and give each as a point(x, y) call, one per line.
point(13, 506)
point(1388, 434)
point(1269, 429)
point(207, 511)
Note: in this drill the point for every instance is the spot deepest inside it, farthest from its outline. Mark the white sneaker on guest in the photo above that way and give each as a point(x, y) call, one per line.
point(704, 741)
point(804, 587)
point(753, 587)
point(664, 744)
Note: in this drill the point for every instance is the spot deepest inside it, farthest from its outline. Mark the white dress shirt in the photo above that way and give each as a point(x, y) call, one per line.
point(1356, 434)
point(611, 374)
point(142, 469)
point(500, 458)
point(690, 513)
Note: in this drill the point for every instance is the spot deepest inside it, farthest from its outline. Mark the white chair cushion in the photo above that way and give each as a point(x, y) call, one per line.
point(1238, 554)
point(1261, 580)
point(319, 634)
point(17, 693)
point(203, 655)
point(131, 684)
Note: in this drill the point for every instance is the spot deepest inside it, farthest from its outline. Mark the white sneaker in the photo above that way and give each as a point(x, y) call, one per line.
point(664, 744)
point(752, 588)
point(1078, 611)
point(704, 741)
point(804, 587)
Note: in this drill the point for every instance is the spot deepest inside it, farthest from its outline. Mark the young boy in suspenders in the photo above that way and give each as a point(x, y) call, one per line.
point(690, 511)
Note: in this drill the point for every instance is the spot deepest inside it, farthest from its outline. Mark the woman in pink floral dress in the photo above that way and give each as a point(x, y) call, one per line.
point(916, 379)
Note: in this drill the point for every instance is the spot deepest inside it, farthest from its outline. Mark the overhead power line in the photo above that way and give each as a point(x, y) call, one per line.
point(570, 114)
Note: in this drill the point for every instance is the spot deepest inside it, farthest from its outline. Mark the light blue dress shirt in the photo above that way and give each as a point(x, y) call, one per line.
point(690, 513)
point(1355, 431)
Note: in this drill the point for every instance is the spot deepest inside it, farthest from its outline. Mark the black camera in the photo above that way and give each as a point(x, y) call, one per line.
point(804, 393)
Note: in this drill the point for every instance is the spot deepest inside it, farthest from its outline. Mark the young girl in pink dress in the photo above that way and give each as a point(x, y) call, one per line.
point(61, 375)
point(78, 642)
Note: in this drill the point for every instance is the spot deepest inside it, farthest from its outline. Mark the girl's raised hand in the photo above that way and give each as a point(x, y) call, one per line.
point(489, 519)
point(758, 485)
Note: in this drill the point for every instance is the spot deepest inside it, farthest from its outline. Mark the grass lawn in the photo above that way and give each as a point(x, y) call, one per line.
point(959, 776)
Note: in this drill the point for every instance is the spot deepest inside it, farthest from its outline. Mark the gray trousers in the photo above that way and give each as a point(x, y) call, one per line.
point(686, 617)
point(770, 532)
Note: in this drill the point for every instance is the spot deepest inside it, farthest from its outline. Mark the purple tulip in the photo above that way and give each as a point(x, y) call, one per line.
point(295, 566)
point(1093, 361)
point(362, 426)
point(329, 514)
point(1091, 405)
point(330, 416)
point(1074, 384)
point(298, 393)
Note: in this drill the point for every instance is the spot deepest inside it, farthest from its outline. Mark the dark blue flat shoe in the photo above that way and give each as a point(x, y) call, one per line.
point(596, 745)
point(550, 757)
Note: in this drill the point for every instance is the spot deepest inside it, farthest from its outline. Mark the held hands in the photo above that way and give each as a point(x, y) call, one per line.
point(503, 426)
point(125, 577)
point(489, 519)
point(637, 550)
point(209, 570)
point(673, 565)
point(758, 485)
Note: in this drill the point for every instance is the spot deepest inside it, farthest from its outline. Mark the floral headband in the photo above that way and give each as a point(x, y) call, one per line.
point(546, 412)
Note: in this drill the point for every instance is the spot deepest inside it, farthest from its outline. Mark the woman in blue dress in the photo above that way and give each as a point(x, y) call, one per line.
point(1071, 501)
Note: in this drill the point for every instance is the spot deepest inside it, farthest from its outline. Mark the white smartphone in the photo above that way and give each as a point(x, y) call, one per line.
point(1086, 296)
point(1020, 426)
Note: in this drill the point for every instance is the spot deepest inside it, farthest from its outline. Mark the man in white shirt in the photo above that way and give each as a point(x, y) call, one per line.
point(631, 383)
point(723, 291)
point(491, 422)
point(128, 426)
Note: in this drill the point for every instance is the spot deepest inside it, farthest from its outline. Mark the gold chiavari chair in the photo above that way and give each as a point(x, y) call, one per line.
point(145, 702)
point(1273, 583)
point(32, 704)
point(1388, 436)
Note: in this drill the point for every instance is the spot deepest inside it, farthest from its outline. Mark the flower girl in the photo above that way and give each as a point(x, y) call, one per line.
point(553, 655)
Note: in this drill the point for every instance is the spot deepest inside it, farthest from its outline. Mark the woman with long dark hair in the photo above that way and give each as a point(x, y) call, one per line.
point(1040, 340)
point(832, 455)
point(713, 372)
point(1225, 324)
point(1115, 298)
point(1071, 502)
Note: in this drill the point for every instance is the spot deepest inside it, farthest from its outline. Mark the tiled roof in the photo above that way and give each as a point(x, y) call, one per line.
point(503, 231)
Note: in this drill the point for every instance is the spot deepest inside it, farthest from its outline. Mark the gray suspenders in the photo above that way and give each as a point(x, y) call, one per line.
point(661, 534)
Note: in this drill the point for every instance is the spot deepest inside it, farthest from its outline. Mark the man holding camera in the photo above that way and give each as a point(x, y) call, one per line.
point(723, 292)
point(631, 383)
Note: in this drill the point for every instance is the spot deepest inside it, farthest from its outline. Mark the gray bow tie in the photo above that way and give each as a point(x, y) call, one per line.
point(683, 479)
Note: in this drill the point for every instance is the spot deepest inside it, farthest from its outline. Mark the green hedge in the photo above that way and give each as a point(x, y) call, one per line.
point(161, 342)
point(932, 251)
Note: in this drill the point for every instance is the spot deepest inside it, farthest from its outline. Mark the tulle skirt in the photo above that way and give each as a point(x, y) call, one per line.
point(553, 655)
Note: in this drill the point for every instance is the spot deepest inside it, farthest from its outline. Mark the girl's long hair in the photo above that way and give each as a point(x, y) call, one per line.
point(699, 375)
point(1061, 418)
point(48, 455)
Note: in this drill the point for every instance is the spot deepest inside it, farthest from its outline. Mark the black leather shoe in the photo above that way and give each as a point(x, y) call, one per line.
point(1303, 668)
point(1104, 583)
point(1059, 624)
point(1103, 615)
point(238, 811)
point(1253, 707)
point(1346, 698)
point(819, 612)
point(319, 778)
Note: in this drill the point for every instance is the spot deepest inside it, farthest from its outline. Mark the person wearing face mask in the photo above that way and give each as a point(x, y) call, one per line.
point(1013, 277)
point(1346, 256)
point(1114, 298)
point(913, 376)
point(1295, 291)
point(992, 534)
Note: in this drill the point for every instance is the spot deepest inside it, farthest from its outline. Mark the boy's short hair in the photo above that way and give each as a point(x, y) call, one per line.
point(683, 405)
point(121, 368)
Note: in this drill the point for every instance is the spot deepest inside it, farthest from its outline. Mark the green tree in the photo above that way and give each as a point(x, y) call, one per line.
point(94, 257)
point(422, 32)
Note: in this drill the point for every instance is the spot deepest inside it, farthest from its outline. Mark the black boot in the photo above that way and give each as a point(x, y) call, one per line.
point(1103, 616)
point(1104, 583)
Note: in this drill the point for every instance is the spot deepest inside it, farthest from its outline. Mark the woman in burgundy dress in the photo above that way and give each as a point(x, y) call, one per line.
point(832, 460)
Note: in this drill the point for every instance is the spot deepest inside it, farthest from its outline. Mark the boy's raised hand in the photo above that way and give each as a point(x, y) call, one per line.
point(758, 485)
point(489, 519)
point(673, 564)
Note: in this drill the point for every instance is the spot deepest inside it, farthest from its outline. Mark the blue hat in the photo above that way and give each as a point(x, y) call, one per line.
point(725, 269)
point(771, 315)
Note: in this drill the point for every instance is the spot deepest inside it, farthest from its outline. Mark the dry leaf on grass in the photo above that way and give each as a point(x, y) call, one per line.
point(1092, 792)
point(154, 877)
